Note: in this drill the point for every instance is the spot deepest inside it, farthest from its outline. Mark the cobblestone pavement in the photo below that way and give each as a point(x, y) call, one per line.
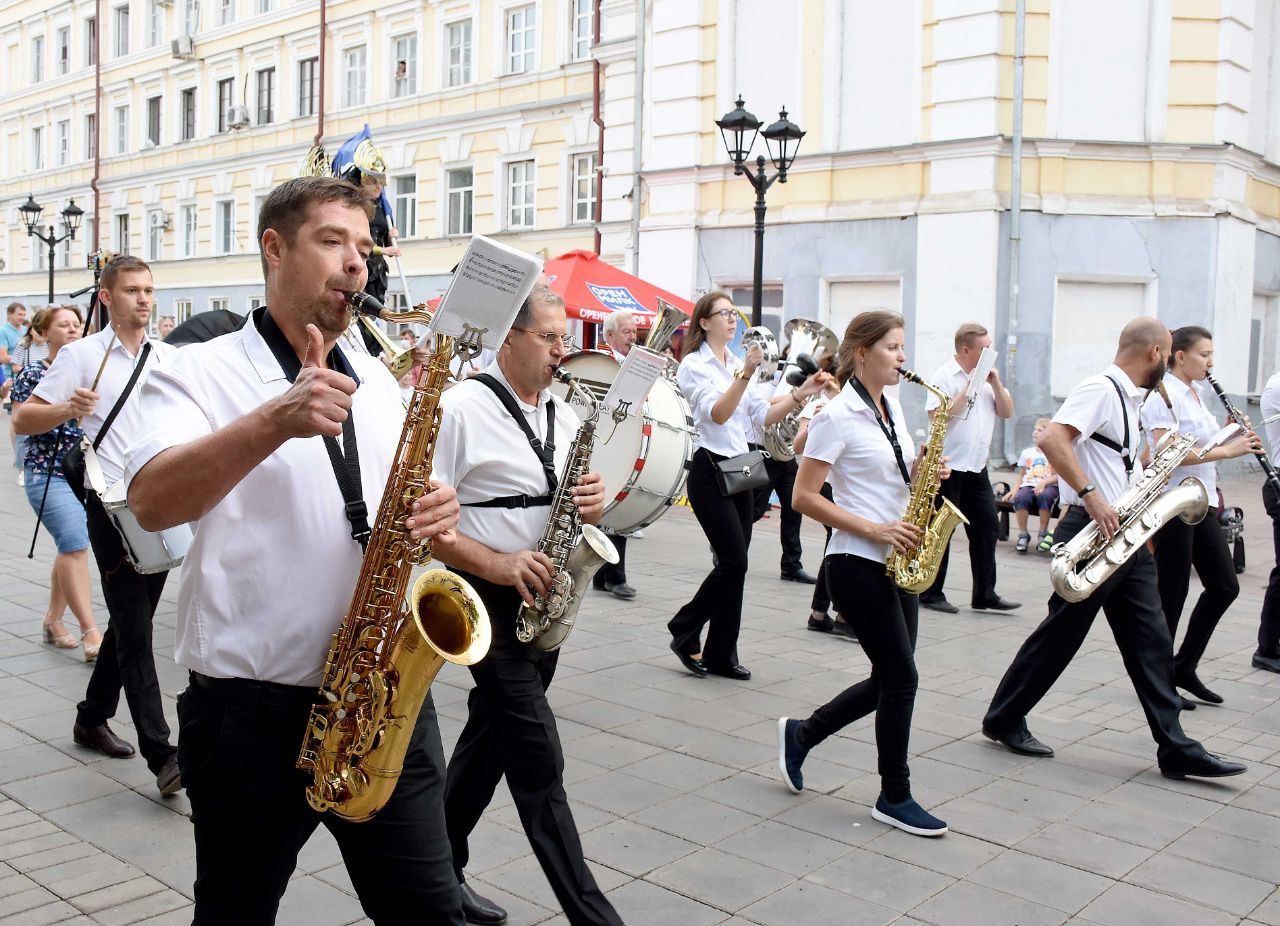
point(673, 779)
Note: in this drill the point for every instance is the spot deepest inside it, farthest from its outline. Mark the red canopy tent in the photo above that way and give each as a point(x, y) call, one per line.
point(593, 289)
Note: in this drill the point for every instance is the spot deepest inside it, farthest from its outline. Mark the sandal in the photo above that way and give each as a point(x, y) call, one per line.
point(55, 632)
point(91, 649)
point(1046, 542)
point(1024, 540)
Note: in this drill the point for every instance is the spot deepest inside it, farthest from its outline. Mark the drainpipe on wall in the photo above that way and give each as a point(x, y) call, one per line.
point(596, 118)
point(637, 154)
point(1009, 425)
point(323, 29)
point(97, 117)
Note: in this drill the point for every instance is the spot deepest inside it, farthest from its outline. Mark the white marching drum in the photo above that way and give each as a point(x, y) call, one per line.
point(644, 460)
point(147, 552)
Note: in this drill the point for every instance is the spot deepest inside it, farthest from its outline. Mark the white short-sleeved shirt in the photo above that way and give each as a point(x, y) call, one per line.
point(764, 391)
point(272, 568)
point(968, 441)
point(75, 368)
point(704, 379)
point(1271, 408)
point(1193, 418)
point(1094, 406)
point(864, 477)
point(482, 452)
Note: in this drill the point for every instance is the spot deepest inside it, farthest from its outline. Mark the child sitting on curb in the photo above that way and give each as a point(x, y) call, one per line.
point(1037, 488)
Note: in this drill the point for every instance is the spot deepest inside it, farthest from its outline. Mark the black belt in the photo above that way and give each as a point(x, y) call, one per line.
point(248, 689)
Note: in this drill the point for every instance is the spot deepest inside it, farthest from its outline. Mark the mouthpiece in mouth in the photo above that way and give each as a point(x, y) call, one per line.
point(563, 375)
point(366, 304)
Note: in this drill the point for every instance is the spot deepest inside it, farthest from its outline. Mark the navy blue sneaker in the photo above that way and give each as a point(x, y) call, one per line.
point(909, 817)
point(791, 754)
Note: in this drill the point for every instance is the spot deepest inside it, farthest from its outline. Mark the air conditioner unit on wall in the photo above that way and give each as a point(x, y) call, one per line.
point(237, 117)
point(184, 47)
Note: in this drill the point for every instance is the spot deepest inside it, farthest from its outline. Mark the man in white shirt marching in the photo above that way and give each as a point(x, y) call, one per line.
point(1093, 443)
point(125, 660)
point(236, 442)
point(619, 338)
point(969, 488)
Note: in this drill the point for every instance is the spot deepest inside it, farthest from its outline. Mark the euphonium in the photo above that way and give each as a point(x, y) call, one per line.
point(576, 550)
point(808, 342)
point(915, 571)
point(389, 648)
point(666, 323)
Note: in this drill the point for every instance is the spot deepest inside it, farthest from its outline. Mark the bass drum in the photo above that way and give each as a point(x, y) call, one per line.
point(644, 461)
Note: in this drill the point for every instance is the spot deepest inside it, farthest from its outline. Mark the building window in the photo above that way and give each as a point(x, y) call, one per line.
point(190, 225)
point(38, 260)
point(226, 12)
point(191, 16)
point(266, 96)
point(353, 76)
point(405, 204)
point(91, 41)
point(64, 254)
point(458, 55)
point(226, 94)
point(122, 233)
point(404, 52)
point(64, 49)
point(218, 303)
point(153, 120)
point(256, 302)
point(580, 29)
point(181, 310)
point(155, 24)
point(37, 59)
point(189, 114)
point(307, 69)
point(266, 6)
point(37, 148)
point(584, 187)
point(91, 136)
point(120, 23)
point(224, 227)
point(122, 129)
point(64, 142)
point(520, 194)
point(460, 186)
point(521, 38)
point(155, 233)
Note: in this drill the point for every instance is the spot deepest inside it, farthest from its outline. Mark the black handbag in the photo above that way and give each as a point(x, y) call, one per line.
point(743, 473)
point(73, 465)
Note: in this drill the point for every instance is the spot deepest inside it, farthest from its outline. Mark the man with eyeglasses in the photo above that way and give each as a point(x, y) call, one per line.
point(503, 443)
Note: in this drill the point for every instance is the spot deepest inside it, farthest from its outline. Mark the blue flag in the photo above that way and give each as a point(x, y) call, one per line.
point(344, 157)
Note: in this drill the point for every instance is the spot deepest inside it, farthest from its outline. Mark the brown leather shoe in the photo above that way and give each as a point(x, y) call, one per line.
point(102, 739)
point(169, 779)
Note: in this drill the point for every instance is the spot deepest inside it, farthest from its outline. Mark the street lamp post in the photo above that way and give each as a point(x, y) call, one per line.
point(71, 216)
point(783, 141)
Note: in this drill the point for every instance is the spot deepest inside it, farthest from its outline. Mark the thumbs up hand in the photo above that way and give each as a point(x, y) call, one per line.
point(319, 399)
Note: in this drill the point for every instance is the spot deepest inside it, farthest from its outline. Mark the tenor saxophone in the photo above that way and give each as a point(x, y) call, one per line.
point(576, 550)
point(915, 571)
point(389, 647)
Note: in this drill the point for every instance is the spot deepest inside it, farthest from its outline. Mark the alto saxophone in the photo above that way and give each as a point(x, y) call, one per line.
point(576, 550)
point(915, 571)
point(389, 648)
point(1080, 565)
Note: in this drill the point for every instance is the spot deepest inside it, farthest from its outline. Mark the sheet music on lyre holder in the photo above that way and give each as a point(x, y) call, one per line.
point(489, 285)
point(986, 363)
point(640, 369)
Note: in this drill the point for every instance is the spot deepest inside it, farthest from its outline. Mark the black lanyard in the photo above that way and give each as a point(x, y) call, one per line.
point(889, 431)
point(345, 461)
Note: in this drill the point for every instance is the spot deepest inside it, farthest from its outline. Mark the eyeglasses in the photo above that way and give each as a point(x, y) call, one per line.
point(548, 337)
point(726, 313)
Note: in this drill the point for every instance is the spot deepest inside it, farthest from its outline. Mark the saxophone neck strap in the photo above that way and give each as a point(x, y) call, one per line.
point(345, 460)
point(1123, 448)
point(885, 422)
point(545, 451)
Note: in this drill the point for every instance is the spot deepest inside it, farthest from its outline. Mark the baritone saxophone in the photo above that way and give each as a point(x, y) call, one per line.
point(390, 647)
point(915, 571)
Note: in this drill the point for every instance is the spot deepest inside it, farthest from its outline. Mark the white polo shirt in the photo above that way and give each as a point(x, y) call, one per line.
point(272, 568)
point(968, 441)
point(865, 478)
point(483, 454)
point(704, 379)
point(1193, 418)
point(75, 368)
point(1094, 406)
point(1271, 407)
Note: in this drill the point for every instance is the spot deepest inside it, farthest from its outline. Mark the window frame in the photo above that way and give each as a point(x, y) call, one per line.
point(154, 249)
point(119, 35)
point(187, 115)
point(37, 59)
point(349, 100)
point(465, 66)
point(120, 231)
point(90, 41)
point(64, 50)
point(155, 23)
point(90, 136)
point(468, 191)
point(574, 179)
point(224, 226)
point(530, 185)
point(157, 122)
point(270, 74)
point(308, 86)
point(226, 12)
point(530, 51)
point(406, 229)
point(410, 86)
point(224, 106)
point(37, 147)
point(120, 118)
point(63, 142)
point(576, 15)
point(189, 218)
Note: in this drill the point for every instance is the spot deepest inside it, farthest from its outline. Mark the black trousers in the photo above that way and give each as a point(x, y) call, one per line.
point(126, 659)
point(610, 574)
point(1180, 547)
point(782, 479)
point(971, 493)
point(726, 520)
point(1131, 601)
point(510, 730)
point(821, 594)
point(237, 744)
point(1269, 622)
point(886, 620)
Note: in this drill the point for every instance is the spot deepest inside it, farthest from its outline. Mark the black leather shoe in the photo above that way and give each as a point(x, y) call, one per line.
point(623, 590)
point(939, 604)
point(1190, 682)
point(737, 673)
point(169, 778)
point(997, 604)
point(1019, 741)
point(843, 630)
point(1269, 663)
point(822, 624)
point(102, 739)
point(799, 575)
point(477, 909)
point(693, 665)
point(1187, 705)
point(1206, 766)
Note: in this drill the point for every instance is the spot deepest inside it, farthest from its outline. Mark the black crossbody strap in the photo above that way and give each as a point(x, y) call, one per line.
point(115, 409)
point(546, 453)
point(889, 431)
point(1122, 449)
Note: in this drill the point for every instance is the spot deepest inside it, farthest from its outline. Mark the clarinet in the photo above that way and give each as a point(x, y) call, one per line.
point(1234, 414)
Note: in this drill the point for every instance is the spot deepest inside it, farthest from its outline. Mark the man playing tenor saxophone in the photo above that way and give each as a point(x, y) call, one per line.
point(239, 428)
point(1093, 443)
